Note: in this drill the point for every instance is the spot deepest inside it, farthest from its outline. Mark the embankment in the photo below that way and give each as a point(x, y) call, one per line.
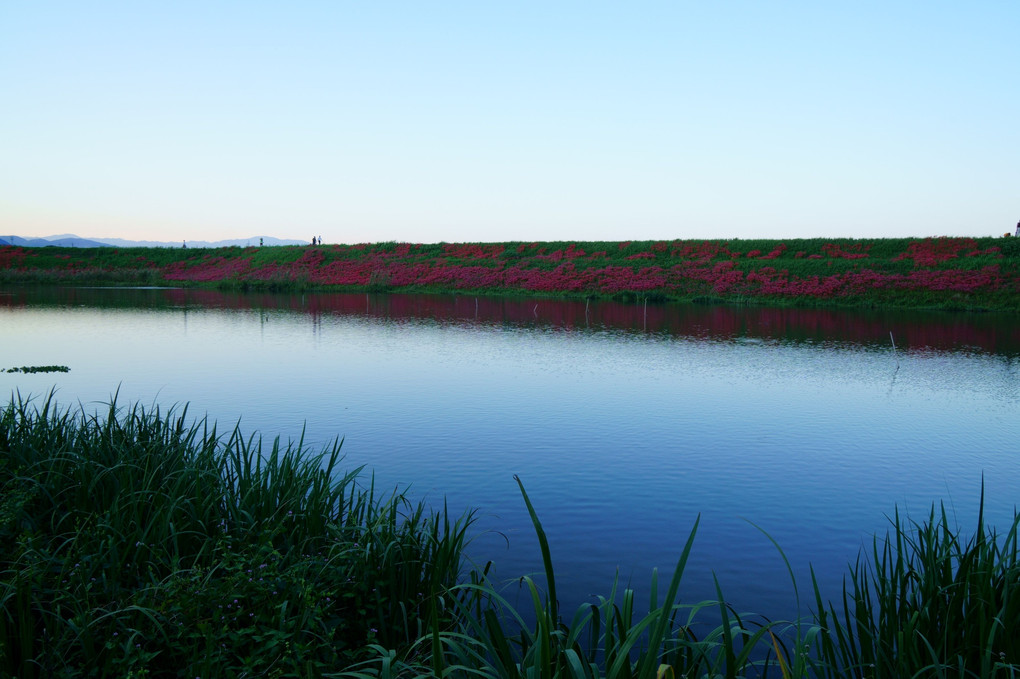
point(944, 272)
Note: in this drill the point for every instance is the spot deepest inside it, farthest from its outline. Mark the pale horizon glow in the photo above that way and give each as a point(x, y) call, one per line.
point(457, 121)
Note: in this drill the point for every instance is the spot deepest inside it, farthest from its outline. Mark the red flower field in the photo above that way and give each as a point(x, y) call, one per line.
point(945, 272)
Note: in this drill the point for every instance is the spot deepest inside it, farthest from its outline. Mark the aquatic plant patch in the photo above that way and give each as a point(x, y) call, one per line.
point(28, 369)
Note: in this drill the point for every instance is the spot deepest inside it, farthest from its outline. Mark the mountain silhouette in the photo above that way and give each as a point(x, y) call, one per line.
point(70, 240)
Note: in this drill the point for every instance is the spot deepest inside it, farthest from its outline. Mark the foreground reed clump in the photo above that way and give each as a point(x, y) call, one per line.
point(137, 544)
point(924, 602)
point(928, 601)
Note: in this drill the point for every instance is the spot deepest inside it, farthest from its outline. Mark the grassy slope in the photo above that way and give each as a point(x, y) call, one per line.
point(961, 273)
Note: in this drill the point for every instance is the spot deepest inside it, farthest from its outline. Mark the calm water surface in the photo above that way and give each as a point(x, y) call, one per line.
point(625, 422)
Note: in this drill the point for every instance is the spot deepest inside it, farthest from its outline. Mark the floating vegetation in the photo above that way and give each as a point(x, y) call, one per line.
point(40, 369)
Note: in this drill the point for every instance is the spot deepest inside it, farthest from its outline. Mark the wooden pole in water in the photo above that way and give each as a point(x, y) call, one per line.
point(893, 340)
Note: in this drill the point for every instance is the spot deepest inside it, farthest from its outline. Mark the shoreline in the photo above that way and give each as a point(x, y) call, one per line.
point(957, 274)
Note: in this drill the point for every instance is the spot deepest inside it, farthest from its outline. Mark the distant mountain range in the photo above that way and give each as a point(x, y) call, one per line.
point(69, 240)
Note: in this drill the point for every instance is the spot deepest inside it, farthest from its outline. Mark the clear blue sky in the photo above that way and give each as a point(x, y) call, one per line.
point(485, 121)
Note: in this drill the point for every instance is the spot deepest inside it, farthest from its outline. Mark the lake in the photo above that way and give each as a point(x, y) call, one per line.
point(624, 421)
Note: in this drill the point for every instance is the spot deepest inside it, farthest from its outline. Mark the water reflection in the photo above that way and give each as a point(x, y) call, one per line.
point(625, 421)
point(903, 330)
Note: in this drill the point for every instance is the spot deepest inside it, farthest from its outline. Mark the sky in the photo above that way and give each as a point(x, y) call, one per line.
point(509, 121)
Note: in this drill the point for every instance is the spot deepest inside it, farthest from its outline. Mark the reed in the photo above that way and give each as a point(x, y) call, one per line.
point(611, 638)
point(924, 602)
point(927, 600)
point(137, 543)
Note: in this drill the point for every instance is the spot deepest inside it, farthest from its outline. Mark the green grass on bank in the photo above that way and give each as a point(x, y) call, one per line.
point(914, 272)
point(136, 544)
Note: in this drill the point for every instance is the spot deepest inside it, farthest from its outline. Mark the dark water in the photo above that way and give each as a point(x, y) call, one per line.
point(625, 422)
